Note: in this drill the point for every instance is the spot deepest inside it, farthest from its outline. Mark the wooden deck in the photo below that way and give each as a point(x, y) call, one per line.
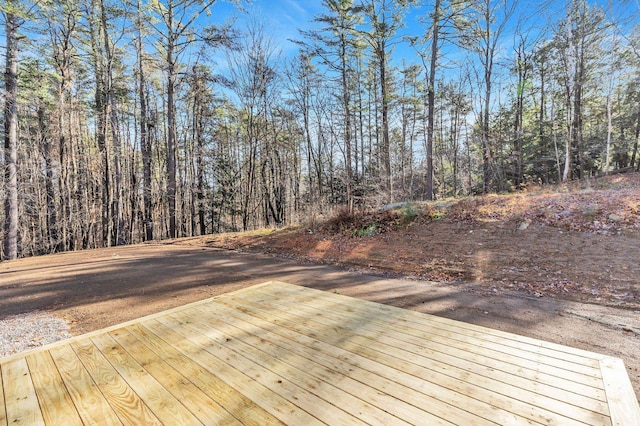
point(282, 354)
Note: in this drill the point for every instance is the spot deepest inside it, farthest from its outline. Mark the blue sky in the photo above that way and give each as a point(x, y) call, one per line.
point(283, 18)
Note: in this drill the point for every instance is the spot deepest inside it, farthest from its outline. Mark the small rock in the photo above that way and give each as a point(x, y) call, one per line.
point(524, 225)
point(614, 217)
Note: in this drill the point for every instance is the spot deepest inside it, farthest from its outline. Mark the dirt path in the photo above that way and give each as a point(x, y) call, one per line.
point(497, 257)
point(99, 288)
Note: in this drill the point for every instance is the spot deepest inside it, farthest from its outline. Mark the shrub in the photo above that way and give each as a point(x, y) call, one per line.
point(343, 219)
point(408, 213)
point(436, 214)
point(367, 231)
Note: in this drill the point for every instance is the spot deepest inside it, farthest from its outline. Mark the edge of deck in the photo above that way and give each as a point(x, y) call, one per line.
point(624, 409)
point(623, 404)
point(126, 323)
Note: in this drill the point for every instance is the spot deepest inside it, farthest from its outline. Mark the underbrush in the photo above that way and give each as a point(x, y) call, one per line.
point(366, 223)
point(606, 205)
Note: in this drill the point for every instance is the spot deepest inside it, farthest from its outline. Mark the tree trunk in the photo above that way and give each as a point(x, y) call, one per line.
point(347, 120)
point(118, 237)
point(488, 68)
point(431, 96)
point(570, 92)
point(171, 126)
point(609, 132)
point(52, 225)
point(576, 140)
point(12, 24)
point(384, 104)
point(145, 140)
point(637, 141)
point(198, 129)
point(101, 126)
point(486, 148)
point(521, 67)
point(541, 117)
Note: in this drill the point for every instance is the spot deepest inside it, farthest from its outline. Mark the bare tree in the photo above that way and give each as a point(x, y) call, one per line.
point(385, 19)
point(445, 20)
point(12, 24)
point(178, 17)
point(335, 44)
point(490, 23)
point(576, 44)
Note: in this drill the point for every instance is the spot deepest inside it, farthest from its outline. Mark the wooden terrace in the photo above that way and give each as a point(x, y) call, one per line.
point(282, 354)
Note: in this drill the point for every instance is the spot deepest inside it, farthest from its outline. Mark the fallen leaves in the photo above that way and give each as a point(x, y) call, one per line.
point(610, 206)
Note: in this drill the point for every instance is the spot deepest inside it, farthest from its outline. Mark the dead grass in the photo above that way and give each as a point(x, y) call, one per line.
point(606, 205)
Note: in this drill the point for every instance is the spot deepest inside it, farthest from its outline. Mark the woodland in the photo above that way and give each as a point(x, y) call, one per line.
point(133, 120)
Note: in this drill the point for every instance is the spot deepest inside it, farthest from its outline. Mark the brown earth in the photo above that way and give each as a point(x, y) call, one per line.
point(576, 242)
point(486, 257)
point(517, 263)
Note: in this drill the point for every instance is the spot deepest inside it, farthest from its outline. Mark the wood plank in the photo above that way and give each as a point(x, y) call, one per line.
point(20, 394)
point(230, 399)
point(278, 354)
point(622, 400)
point(91, 405)
point(470, 386)
point(323, 312)
point(127, 405)
point(354, 398)
point(3, 410)
point(272, 402)
point(305, 394)
point(202, 406)
point(382, 377)
point(374, 334)
point(382, 392)
point(55, 403)
point(164, 405)
point(419, 317)
point(414, 324)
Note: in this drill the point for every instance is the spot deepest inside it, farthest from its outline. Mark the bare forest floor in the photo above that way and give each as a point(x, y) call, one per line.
point(577, 242)
point(558, 263)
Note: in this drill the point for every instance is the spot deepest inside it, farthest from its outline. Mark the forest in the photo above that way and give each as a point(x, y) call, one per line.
point(137, 120)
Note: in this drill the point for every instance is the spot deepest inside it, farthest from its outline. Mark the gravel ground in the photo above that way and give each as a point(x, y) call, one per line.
point(22, 332)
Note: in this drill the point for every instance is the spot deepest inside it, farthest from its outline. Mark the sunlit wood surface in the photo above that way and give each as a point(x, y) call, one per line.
point(282, 354)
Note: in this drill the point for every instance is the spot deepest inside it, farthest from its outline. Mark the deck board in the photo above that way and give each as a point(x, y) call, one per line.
point(91, 405)
point(206, 409)
point(276, 354)
point(159, 400)
point(356, 381)
point(20, 394)
point(290, 384)
point(535, 353)
point(477, 394)
point(124, 401)
point(3, 411)
point(453, 353)
point(49, 387)
point(236, 404)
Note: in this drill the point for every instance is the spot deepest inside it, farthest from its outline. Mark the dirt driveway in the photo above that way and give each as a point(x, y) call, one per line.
point(98, 288)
